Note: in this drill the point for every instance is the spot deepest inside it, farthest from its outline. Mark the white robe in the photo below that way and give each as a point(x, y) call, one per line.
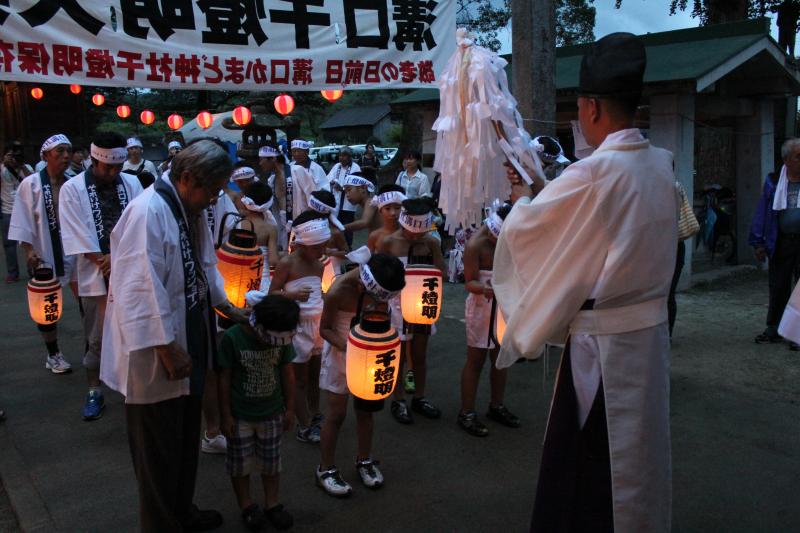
point(78, 232)
point(146, 307)
point(304, 182)
point(606, 229)
point(29, 224)
point(336, 176)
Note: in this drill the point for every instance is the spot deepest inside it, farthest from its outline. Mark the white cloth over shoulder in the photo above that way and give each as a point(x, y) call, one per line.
point(781, 191)
point(336, 182)
point(304, 182)
point(146, 306)
point(78, 232)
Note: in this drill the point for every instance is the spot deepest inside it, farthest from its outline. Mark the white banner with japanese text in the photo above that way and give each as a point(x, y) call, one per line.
point(280, 45)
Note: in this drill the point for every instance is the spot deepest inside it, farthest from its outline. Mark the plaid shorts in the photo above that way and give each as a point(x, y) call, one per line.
point(255, 447)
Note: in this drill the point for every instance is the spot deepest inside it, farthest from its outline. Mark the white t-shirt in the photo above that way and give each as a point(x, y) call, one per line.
point(148, 167)
point(9, 184)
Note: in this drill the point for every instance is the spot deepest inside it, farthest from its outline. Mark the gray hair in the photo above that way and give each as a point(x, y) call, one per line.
point(787, 147)
point(206, 161)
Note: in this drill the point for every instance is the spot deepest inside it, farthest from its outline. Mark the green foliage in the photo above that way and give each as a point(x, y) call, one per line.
point(718, 11)
point(574, 22)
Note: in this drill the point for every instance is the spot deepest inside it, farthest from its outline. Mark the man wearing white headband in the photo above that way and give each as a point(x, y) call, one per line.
point(307, 176)
point(91, 204)
point(376, 280)
point(298, 276)
point(279, 177)
point(258, 203)
point(345, 210)
point(412, 239)
point(478, 263)
point(173, 148)
point(34, 224)
point(136, 164)
point(389, 202)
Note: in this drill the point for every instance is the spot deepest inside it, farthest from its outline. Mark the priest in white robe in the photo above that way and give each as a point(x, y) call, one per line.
point(588, 261)
point(34, 223)
point(307, 176)
point(158, 338)
point(91, 204)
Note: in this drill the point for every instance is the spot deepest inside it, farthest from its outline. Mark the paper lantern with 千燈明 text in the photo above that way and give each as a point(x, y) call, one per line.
point(421, 298)
point(98, 99)
point(205, 119)
point(44, 296)
point(241, 115)
point(373, 357)
point(240, 262)
point(497, 324)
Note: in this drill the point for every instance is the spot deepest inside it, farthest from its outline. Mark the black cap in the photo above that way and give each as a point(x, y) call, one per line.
point(614, 67)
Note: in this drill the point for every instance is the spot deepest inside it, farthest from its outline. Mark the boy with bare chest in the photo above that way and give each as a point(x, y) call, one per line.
point(389, 202)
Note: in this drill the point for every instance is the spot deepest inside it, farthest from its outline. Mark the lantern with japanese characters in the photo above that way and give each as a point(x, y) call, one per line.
point(421, 298)
point(205, 119)
point(147, 117)
point(98, 99)
point(123, 111)
point(332, 95)
point(75, 88)
point(240, 262)
point(328, 274)
point(284, 104)
point(44, 296)
point(497, 324)
point(373, 357)
point(175, 121)
point(241, 115)
point(37, 93)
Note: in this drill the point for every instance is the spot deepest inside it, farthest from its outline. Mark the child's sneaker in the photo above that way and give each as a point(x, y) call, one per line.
point(469, 422)
point(93, 408)
point(57, 364)
point(316, 427)
point(254, 518)
point(371, 476)
point(279, 518)
point(216, 444)
point(409, 384)
point(331, 482)
point(502, 415)
point(307, 435)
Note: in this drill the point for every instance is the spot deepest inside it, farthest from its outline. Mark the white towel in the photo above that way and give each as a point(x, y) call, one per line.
point(781, 192)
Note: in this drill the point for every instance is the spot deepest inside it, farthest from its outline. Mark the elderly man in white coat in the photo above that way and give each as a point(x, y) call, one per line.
point(590, 259)
point(91, 204)
point(159, 332)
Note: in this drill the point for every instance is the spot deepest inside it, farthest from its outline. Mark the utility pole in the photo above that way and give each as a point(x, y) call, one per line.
point(533, 52)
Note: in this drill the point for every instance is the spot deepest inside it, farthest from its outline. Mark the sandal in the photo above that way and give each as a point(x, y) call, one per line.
point(253, 518)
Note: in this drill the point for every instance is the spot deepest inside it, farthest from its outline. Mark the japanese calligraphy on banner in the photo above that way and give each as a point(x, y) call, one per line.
point(282, 45)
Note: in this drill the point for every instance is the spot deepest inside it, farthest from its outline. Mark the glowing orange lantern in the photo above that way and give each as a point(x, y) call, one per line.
point(123, 111)
point(373, 357)
point(98, 99)
point(37, 93)
point(75, 88)
point(497, 324)
point(147, 117)
point(332, 95)
point(175, 121)
point(421, 298)
point(44, 296)
point(205, 119)
point(238, 262)
point(284, 104)
point(328, 274)
point(241, 115)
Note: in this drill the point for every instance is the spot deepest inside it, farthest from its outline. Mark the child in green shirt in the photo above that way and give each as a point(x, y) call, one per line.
point(256, 394)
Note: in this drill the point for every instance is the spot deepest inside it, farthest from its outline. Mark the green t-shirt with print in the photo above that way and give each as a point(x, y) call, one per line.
point(256, 392)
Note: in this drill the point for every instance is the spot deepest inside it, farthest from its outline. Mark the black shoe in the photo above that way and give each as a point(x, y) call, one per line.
point(204, 520)
point(254, 518)
point(279, 518)
point(469, 422)
point(770, 336)
point(425, 408)
point(502, 415)
point(400, 412)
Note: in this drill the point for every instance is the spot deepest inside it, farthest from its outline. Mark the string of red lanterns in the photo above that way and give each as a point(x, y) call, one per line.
point(98, 99)
point(241, 115)
point(175, 121)
point(332, 95)
point(37, 93)
point(284, 104)
point(147, 117)
point(75, 88)
point(205, 119)
point(123, 111)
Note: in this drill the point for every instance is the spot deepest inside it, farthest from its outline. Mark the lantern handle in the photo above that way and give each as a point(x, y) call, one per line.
point(237, 216)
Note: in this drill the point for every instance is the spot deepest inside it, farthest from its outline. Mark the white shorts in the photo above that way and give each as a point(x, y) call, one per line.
point(398, 323)
point(333, 370)
point(478, 315)
point(307, 342)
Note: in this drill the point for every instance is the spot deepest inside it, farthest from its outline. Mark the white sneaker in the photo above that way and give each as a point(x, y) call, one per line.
point(57, 364)
point(331, 482)
point(216, 444)
point(370, 474)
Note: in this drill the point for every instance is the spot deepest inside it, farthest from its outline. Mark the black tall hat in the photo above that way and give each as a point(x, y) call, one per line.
point(614, 67)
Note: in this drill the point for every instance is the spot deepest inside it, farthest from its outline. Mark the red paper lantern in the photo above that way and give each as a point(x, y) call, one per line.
point(147, 117)
point(98, 99)
point(37, 93)
point(123, 111)
point(75, 88)
point(175, 121)
point(241, 115)
point(332, 95)
point(284, 104)
point(205, 119)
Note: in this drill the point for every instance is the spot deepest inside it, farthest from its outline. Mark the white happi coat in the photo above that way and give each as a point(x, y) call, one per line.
point(78, 232)
point(147, 304)
point(606, 229)
point(29, 223)
point(304, 182)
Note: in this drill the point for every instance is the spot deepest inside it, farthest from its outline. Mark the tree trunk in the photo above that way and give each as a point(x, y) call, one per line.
point(533, 44)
